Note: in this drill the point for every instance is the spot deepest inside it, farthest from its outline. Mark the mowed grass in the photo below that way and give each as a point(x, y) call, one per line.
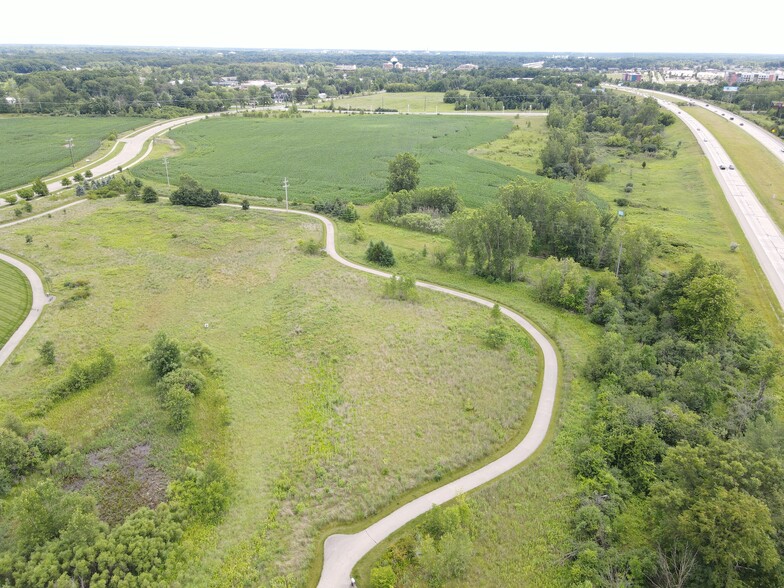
point(339, 400)
point(34, 146)
point(16, 298)
point(325, 157)
point(405, 102)
point(760, 168)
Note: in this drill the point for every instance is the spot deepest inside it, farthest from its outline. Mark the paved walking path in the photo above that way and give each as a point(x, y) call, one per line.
point(342, 552)
point(40, 299)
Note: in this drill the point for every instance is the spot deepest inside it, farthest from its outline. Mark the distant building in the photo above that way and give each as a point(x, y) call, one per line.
point(345, 68)
point(751, 77)
point(10, 99)
point(534, 65)
point(279, 97)
point(466, 67)
point(259, 84)
point(392, 64)
point(227, 82)
point(419, 69)
point(632, 76)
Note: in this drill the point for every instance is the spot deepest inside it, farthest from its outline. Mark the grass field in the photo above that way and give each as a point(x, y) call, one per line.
point(329, 417)
point(679, 197)
point(34, 146)
point(16, 296)
point(523, 531)
point(401, 101)
point(325, 157)
point(760, 168)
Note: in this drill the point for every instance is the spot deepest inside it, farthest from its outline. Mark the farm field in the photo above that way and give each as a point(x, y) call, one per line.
point(15, 300)
point(414, 102)
point(326, 157)
point(316, 392)
point(34, 146)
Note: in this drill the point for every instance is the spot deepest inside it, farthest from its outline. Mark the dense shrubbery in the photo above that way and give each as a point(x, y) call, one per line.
point(436, 202)
point(338, 208)
point(438, 552)
point(190, 193)
point(401, 288)
point(83, 374)
point(681, 426)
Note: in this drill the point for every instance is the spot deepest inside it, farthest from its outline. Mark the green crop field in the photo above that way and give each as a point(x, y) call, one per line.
point(316, 370)
point(34, 146)
point(15, 300)
point(405, 102)
point(325, 157)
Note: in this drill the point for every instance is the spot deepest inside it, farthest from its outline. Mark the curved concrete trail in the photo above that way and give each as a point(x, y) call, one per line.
point(342, 552)
point(40, 299)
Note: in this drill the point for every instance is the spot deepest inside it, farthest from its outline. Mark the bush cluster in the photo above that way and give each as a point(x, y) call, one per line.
point(345, 211)
point(83, 374)
point(190, 193)
point(380, 253)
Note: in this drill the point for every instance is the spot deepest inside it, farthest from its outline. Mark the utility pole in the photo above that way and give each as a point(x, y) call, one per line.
point(286, 188)
point(425, 103)
point(69, 144)
point(166, 165)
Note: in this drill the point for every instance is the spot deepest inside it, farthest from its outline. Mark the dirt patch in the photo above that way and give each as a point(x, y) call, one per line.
point(125, 482)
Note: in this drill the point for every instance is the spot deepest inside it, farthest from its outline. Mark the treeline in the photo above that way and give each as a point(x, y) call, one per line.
point(577, 120)
point(761, 98)
point(682, 441)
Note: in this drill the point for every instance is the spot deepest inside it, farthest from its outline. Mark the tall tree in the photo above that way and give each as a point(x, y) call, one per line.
point(403, 173)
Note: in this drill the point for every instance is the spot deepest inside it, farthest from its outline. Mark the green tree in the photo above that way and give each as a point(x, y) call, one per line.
point(498, 241)
point(403, 173)
point(190, 193)
point(708, 309)
point(47, 353)
point(164, 357)
point(39, 188)
point(245, 204)
point(149, 195)
point(178, 402)
point(380, 253)
point(383, 577)
point(65, 182)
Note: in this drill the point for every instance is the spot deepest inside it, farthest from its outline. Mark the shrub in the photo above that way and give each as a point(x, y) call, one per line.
point(164, 357)
point(380, 253)
point(178, 401)
point(26, 194)
point(420, 221)
point(245, 204)
point(88, 174)
point(65, 182)
point(495, 337)
point(149, 195)
point(203, 495)
point(11, 199)
point(27, 207)
point(383, 577)
point(310, 247)
point(358, 233)
point(401, 288)
point(78, 177)
point(80, 191)
point(28, 239)
point(39, 188)
point(190, 193)
point(47, 353)
point(82, 375)
point(189, 379)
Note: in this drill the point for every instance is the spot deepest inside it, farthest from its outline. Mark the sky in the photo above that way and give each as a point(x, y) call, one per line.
point(584, 26)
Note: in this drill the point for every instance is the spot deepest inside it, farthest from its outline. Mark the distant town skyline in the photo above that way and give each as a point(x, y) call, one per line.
point(604, 26)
